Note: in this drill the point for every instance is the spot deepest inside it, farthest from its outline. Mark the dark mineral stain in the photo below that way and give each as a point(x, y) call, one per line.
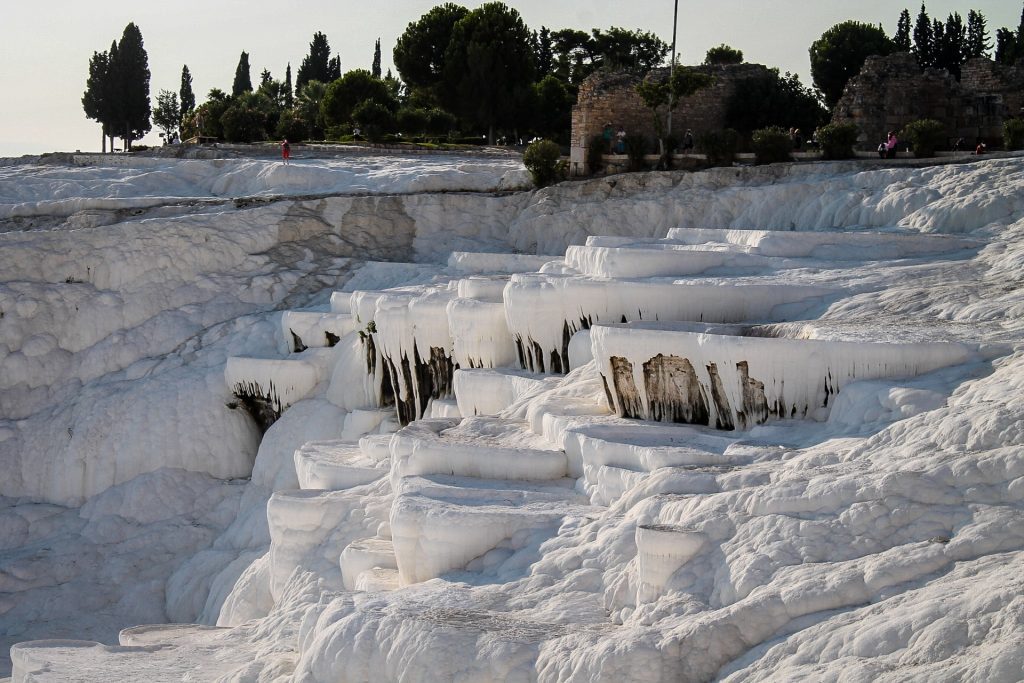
point(264, 407)
point(723, 417)
point(674, 392)
point(755, 405)
point(625, 388)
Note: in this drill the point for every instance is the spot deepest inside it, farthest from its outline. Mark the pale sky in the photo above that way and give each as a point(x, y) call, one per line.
point(45, 45)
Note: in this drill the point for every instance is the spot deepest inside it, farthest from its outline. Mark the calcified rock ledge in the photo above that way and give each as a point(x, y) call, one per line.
point(429, 506)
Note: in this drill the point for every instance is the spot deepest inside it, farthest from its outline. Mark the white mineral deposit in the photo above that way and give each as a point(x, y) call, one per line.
point(405, 419)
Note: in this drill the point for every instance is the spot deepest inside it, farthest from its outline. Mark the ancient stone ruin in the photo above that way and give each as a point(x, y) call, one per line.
point(611, 98)
point(892, 91)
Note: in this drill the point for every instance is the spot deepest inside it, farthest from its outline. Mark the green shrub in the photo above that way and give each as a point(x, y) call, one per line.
point(1013, 135)
point(924, 136)
point(291, 127)
point(837, 140)
point(243, 122)
point(595, 151)
point(719, 146)
point(771, 145)
point(636, 148)
point(412, 120)
point(374, 119)
point(439, 122)
point(541, 159)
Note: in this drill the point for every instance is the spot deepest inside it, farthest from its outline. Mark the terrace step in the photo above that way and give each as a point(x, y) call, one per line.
point(268, 386)
point(480, 447)
point(671, 373)
point(335, 466)
point(616, 457)
point(441, 524)
point(378, 580)
point(544, 311)
point(475, 262)
point(364, 555)
point(834, 245)
point(314, 329)
point(488, 392)
point(480, 334)
point(311, 527)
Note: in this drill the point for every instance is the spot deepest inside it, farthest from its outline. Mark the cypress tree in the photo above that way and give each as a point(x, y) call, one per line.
point(938, 43)
point(334, 69)
point(1006, 46)
point(131, 69)
point(94, 100)
point(954, 45)
point(902, 37)
point(315, 66)
point(289, 100)
point(112, 94)
point(243, 83)
point(375, 70)
point(185, 94)
point(923, 39)
point(978, 42)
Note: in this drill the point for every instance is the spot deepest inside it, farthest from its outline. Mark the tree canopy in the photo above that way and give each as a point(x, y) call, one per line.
point(420, 53)
point(167, 114)
point(343, 95)
point(723, 54)
point(840, 52)
point(117, 90)
point(489, 66)
point(185, 95)
point(243, 82)
point(318, 65)
point(773, 99)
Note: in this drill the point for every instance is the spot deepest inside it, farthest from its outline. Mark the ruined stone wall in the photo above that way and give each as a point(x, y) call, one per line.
point(611, 98)
point(892, 91)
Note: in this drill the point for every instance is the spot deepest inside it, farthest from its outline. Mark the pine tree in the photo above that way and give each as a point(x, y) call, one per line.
point(315, 66)
point(289, 100)
point(243, 83)
point(131, 69)
point(375, 70)
point(185, 94)
point(265, 77)
point(334, 69)
point(902, 37)
point(923, 39)
point(978, 42)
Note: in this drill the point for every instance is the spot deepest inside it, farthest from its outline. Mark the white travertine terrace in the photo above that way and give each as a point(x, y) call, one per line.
point(847, 505)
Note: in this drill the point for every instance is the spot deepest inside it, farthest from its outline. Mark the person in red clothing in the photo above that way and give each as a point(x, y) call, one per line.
point(286, 151)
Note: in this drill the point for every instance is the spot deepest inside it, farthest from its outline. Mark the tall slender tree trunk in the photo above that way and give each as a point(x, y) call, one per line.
point(490, 133)
point(103, 138)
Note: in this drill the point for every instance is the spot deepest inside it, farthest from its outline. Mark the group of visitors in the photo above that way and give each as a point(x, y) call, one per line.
point(615, 140)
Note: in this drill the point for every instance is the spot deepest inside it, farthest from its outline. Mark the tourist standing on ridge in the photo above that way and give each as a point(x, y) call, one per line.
point(286, 151)
point(890, 146)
